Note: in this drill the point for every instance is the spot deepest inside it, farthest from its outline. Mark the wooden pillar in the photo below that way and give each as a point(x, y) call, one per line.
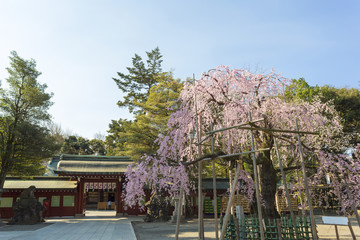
point(79, 209)
point(61, 206)
point(119, 200)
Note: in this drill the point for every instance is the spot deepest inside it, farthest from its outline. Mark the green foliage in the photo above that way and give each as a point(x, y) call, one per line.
point(138, 82)
point(347, 103)
point(82, 146)
point(136, 138)
point(24, 142)
point(300, 89)
point(57, 134)
point(345, 100)
point(33, 144)
point(116, 139)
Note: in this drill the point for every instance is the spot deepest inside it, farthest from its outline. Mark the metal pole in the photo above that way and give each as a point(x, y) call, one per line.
point(231, 199)
point(257, 186)
point(200, 206)
point(179, 212)
point(313, 226)
point(214, 187)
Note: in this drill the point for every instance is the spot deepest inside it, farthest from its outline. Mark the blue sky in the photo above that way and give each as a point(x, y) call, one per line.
point(80, 45)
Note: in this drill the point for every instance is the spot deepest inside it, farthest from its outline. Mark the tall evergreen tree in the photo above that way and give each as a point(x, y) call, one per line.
point(138, 82)
point(24, 142)
point(138, 137)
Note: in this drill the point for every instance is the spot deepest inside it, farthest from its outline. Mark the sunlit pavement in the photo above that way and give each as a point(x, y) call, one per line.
point(101, 225)
point(95, 225)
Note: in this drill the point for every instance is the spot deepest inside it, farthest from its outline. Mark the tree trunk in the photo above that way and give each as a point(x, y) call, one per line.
point(268, 184)
point(2, 181)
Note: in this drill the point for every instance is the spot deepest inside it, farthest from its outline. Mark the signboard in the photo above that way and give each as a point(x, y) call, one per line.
point(335, 220)
point(100, 186)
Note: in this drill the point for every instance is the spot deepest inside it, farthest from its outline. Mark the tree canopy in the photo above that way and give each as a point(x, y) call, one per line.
point(138, 82)
point(24, 141)
point(345, 100)
point(82, 146)
point(225, 97)
point(138, 137)
point(152, 96)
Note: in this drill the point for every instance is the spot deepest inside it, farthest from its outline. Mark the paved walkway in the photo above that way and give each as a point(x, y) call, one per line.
point(101, 225)
point(95, 226)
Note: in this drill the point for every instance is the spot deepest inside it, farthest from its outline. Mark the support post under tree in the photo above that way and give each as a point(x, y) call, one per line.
point(262, 235)
point(283, 177)
point(231, 200)
point(178, 219)
point(313, 225)
point(214, 187)
point(200, 205)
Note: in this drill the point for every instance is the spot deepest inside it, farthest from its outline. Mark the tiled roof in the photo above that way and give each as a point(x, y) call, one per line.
point(92, 165)
point(221, 184)
point(40, 183)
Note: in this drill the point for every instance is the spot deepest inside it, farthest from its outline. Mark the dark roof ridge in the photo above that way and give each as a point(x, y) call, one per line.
point(26, 178)
point(65, 157)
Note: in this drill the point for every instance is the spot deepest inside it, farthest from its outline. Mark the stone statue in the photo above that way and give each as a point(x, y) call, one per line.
point(27, 210)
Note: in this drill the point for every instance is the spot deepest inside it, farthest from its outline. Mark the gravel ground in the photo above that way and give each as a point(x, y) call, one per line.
point(166, 230)
point(189, 230)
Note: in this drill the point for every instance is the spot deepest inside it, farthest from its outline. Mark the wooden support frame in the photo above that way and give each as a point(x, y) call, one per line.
point(179, 212)
point(252, 152)
point(258, 203)
point(313, 225)
point(338, 221)
point(200, 197)
point(283, 177)
point(231, 199)
point(214, 188)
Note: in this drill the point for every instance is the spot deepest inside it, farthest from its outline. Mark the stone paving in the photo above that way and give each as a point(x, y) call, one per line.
point(97, 225)
point(101, 225)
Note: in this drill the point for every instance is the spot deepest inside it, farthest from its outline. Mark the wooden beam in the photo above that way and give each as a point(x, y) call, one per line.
point(236, 126)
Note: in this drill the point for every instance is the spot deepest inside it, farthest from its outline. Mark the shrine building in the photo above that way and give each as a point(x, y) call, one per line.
point(73, 184)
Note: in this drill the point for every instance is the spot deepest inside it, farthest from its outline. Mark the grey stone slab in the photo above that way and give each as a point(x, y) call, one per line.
point(107, 227)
